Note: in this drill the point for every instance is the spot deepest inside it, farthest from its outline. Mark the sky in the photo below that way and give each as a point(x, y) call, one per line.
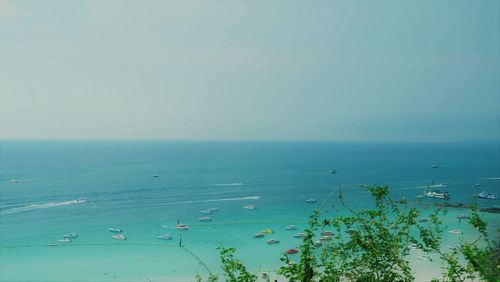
point(410, 71)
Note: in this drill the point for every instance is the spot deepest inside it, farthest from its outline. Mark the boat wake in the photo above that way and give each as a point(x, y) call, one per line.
point(226, 184)
point(493, 178)
point(209, 201)
point(41, 206)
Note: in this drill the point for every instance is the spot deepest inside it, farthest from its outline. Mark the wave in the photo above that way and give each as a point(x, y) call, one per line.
point(42, 206)
point(209, 201)
point(226, 184)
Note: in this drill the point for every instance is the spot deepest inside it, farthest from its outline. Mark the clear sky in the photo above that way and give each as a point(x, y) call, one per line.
point(267, 70)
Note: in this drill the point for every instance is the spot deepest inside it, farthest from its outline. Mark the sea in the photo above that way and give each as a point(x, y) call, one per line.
point(146, 188)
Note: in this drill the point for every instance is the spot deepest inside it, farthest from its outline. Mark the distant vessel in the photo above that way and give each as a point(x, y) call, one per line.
point(182, 227)
point(273, 241)
point(423, 220)
point(311, 201)
point(333, 171)
point(478, 185)
point(318, 243)
point(327, 233)
point(267, 231)
point(299, 235)
point(259, 235)
point(440, 185)
point(435, 166)
point(156, 175)
point(205, 219)
point(71, 235)
point(436, 194)
point(115, 229)
point(463, 216)
point(249, 207)
point(455, 231)
point(488, 196)
point(165, 237)
point(291, 251)
point(65, 240)
point(14, 180)
point(291, 227)
point(119, 237)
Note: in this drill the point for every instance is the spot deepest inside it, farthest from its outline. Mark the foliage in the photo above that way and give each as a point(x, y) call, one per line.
point(234, 270)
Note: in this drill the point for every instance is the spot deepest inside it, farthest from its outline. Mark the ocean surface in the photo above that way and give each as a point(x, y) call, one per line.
point(49, 188)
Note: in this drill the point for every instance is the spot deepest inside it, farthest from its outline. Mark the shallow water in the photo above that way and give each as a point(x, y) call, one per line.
point(116, 179)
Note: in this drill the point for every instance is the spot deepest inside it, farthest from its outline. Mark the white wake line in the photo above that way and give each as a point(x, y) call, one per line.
point(493, 178)
point(209, 201)
point(42, 206)
point(226, 184)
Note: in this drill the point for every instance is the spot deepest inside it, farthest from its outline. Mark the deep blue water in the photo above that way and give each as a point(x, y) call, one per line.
point(116, 179)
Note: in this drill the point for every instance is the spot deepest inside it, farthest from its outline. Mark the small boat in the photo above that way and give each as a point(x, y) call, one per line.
point(14, 180)
point(259, 235)
point(327, 233)
point(436, 194)
point(423, 220)
point(267, 231)
point(291, 251)
point(182, 227)
point(115, 229)
point(81, 200)
point(318, 243)
point(487, 196)
point(299, 235)
point(206, 211)
point(291, 227)
point(165, 237)
point(463, 216)
point(333, 171)
point(440, 185)
point(311, 201)
point(325, 238)
point(70, 235)
point(352, 231)
point(156, 175)
point(435, 166)
point(477, 185)
point(119, 237)
point(413, 246)
point(455, 231)
point(249, 207)
point(213, 209)
point(65, 240)
point(205, 219)
point(272, 241)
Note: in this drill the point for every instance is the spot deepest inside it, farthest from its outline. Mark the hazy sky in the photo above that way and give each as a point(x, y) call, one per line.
point(366, 70)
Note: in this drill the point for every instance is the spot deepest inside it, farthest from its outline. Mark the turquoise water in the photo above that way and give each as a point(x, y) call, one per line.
point(116, 179)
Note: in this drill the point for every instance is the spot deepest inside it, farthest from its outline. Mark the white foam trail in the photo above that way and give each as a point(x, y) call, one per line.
point(42, 206)
point(493, 178)
point(209, 201)
point(227, 184)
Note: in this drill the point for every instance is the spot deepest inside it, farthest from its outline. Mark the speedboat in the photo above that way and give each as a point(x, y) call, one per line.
point(249, 207)
point(205, 219)
point(488, 196)
point(478, 184)
point(455, 231)
point(182, 227)
point(206, 211)
point(436, 194)
point(14, 180)
point(423, 220)
point(213, 209)
point(70, 235)
point(413, 246)
point(463, 216)
point(311, 201)
point(119, 237)
point(273, 241)
point(327, 233)
point(115, 229)
point(65, 240)
point(81, 200)
point(333, 171)
point(291, 251)
point(267, 231)
point(435, 166)
point(299, 235)
point(259, 235)
point(165, 237)
point(291, 227)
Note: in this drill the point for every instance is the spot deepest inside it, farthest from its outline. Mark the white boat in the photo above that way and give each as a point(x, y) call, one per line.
point(333, 171)
point(318, 243)
point(291, 227)
point(440, 185)
point(165, 237)
point(273, 241)
point(205, 219)
point(81, 200)
point(119, 237)
point(14, 180)
point(413, 246)
point(488, 196)
point(311, 201)
point(182, 227)
point(115, 229)
point(249, 207)
point(71, 235)
point(435, 166)
point(455, 231)
point(327, 233)
point(65, 240)
point(213, 209)
point(206, 211)
point(423, 220)
point(436, 194)
point(299, 235)
point(478, 185)
point(463, 216)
